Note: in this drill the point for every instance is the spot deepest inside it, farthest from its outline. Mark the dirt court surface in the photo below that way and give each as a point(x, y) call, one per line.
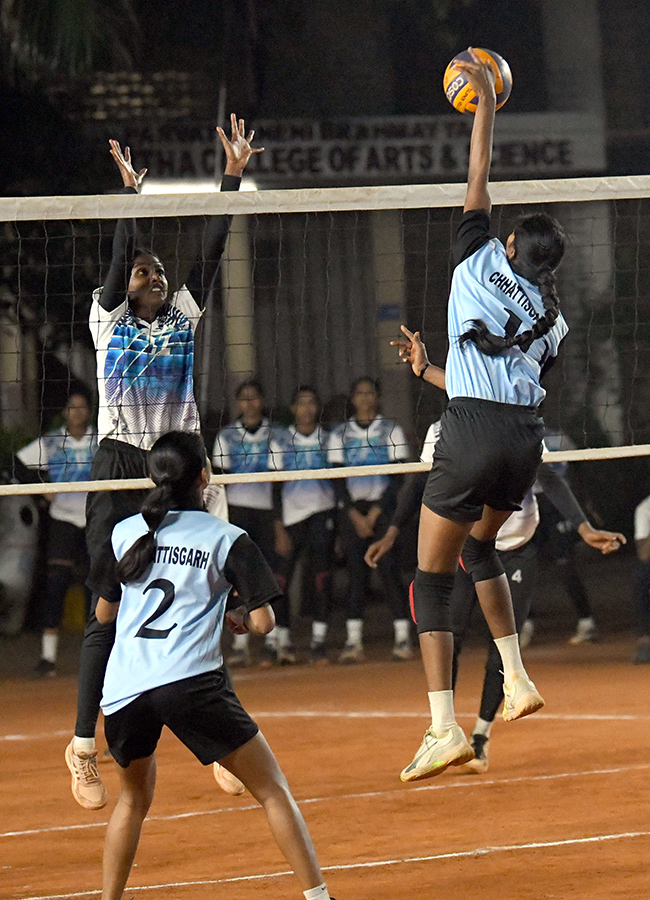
point(564, 811)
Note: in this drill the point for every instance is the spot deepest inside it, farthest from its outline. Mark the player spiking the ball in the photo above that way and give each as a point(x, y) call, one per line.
point(490, 443)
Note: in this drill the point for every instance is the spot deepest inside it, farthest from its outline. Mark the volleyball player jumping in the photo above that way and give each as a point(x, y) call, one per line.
point(504, 327)
point(178, 564)
point(145, 356)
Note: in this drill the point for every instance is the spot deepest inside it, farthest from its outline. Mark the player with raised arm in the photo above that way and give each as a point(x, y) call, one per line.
point(178, 564)
point(504, 326)
point(144, 341)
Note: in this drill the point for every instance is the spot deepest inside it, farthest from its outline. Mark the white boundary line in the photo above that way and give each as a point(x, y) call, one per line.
point(364, 714)
point(461, 854)
point(444, 785)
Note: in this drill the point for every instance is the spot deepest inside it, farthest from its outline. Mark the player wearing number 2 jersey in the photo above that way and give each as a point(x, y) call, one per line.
point(504, 326)
point(178, 564)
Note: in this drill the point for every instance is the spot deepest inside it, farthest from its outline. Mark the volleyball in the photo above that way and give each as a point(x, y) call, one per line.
point(459, 91)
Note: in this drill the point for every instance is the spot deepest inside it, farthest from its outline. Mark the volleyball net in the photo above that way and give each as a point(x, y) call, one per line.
point(312, 287)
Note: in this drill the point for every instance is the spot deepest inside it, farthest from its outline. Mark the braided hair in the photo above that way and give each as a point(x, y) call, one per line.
point(175, 463)
point(539, 243)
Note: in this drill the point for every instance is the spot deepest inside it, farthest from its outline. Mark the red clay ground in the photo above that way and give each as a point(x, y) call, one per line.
point(562, 813)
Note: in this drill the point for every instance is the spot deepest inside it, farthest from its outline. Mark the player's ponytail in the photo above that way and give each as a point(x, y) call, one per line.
point(175, 463)
point(539, 247)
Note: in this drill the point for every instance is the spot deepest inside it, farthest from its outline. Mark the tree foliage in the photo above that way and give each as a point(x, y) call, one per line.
point(65, 37)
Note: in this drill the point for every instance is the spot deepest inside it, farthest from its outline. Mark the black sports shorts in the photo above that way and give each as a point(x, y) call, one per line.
point(203, 711)
point(487, 454)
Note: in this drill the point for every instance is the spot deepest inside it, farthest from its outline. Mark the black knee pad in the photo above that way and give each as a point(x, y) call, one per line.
point(430, 594)
point(481, 560)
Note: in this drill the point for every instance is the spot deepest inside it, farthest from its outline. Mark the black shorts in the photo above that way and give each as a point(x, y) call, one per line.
point(104, 509)
point(203, 712)
point(487, 454)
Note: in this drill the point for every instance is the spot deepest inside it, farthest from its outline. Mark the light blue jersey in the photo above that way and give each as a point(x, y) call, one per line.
point(485, 287)
point(302, 499)
point(169, 624)
point(237, 449)
point(380, 442)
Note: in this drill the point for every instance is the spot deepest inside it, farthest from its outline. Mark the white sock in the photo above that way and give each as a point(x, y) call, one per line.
point(442, 711)
point(317, 893)
point(83, 745)
point(483, 727)
point(240, 642)
point(354, 628)
point(402, 631)
point(49, 645)
point(283, 637)
point(508, 648)
point(318, 632)
point(271, 640)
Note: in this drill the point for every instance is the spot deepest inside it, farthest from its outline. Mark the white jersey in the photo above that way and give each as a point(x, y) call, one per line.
point(380, 442)
point(520, 528)
point(237, 449)
point(145, 370)
point(642, 520)
point(302, 499)
point(169, 624)
point(66, 458)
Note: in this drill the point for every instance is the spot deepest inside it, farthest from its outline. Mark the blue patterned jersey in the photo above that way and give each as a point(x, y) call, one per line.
point(145, 370)
point(383, 441)
point(485, 287)
point(66, 459)
point(301, 499)
point(237, 449)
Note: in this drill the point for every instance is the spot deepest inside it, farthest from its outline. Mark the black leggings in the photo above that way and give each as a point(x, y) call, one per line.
point(260, 526)
point(521, 570)
point(104, 510)
point(359, 572)
point(313, 539)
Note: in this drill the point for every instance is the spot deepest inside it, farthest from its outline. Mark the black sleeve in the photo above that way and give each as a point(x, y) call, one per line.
point(341, 492)
point(388, 500)
point(473, 232)
point(201, 278)
point(560, 494)
point(277, 499)
point(250, 574)
point(116, 282)
point(409, 498)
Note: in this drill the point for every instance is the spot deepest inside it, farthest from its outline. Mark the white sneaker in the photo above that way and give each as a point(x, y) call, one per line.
point(87, 787)
point(228, 782)
point(438, 752)
point(403, 650)
point(351, 654)
point(521, 698)
point(526, 633)
point(585, 632)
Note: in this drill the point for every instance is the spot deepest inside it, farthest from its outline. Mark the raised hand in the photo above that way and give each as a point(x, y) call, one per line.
point(480, 74)
point(130, 177)
point(412, 350)
point(238, 148)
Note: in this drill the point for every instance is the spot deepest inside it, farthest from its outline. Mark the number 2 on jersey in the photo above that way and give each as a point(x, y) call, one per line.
point(167, 588)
